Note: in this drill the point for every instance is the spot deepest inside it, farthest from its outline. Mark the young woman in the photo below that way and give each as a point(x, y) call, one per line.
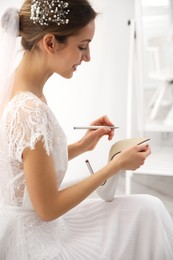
point(38, 219)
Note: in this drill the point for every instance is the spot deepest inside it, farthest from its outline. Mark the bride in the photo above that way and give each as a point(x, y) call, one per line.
point(38, 218)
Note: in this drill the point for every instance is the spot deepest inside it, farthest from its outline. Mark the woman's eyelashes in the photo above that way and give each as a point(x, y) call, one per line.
point(83, 48)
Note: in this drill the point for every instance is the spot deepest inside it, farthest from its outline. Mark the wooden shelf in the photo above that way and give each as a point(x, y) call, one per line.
point(160, 162)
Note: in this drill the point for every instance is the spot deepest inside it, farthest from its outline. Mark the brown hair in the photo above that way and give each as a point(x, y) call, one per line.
point(81, 13)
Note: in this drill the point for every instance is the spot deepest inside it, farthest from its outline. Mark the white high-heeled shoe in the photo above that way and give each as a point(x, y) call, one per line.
point(107, 190)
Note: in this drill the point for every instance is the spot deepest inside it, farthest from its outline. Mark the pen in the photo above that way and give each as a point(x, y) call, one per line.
point(94, 127)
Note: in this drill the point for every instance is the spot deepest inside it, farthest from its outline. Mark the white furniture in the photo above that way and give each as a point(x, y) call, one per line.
point(163, 75)
point(154, 110)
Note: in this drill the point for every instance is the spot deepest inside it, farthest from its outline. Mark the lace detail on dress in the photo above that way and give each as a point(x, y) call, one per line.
point(27, 120)
point(28, 124)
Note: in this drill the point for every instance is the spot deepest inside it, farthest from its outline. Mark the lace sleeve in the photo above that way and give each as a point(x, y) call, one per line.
point(27, 124)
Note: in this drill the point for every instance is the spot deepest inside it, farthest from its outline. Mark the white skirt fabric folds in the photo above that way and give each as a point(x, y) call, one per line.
point(135, 227)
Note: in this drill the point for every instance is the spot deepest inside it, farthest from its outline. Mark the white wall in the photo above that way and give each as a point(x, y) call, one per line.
point(9, 3)
point(97, 88)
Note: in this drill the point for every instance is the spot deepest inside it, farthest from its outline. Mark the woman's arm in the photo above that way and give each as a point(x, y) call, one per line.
point(41, 180)
point(91, 138)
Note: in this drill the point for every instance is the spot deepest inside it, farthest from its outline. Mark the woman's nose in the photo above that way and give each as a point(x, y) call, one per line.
point(86, 56)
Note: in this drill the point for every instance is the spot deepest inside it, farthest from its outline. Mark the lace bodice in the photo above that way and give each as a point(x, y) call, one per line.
point(25, 121)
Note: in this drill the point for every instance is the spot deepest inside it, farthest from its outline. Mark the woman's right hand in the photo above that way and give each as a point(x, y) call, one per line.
point(133, 157)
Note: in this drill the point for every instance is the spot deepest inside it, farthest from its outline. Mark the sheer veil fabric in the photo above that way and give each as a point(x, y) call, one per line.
point(9, 32)
point(9, 58)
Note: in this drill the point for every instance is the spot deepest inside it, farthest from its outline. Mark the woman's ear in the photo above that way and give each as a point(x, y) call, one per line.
point(49, 43)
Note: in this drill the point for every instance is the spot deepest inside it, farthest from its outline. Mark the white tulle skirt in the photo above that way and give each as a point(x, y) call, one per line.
point(135, 227)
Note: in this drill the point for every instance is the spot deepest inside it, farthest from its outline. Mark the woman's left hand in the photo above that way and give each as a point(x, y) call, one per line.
point(92, 137)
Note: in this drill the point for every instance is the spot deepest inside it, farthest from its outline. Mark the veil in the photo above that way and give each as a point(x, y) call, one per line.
point(10, 56)
point(9, 32)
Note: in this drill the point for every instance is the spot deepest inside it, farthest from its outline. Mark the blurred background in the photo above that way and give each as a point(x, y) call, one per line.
point(130, 79)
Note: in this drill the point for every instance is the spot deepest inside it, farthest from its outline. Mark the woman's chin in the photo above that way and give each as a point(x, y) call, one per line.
point(66, 75)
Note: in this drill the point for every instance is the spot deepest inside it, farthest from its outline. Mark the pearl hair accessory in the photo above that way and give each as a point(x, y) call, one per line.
point(45, 12)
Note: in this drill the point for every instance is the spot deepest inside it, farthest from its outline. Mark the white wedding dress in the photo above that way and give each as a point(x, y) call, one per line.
point(136, 227)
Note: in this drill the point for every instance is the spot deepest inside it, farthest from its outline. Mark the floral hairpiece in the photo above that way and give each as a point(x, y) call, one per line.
point(45, 12)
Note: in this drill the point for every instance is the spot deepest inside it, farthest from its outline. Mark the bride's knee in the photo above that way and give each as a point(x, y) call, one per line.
point(148, 203)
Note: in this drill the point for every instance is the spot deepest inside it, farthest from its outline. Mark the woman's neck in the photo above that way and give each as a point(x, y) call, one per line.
point(31, 74)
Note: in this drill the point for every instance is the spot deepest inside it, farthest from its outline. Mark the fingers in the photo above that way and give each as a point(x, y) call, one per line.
point(144, 151)
point(144, 148)
point(135, 156)
point(107, 120)
point(104, 121)
point(111, 134)
point(104, 131)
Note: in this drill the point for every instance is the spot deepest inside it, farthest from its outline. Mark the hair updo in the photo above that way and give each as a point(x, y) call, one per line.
point(81, 13)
